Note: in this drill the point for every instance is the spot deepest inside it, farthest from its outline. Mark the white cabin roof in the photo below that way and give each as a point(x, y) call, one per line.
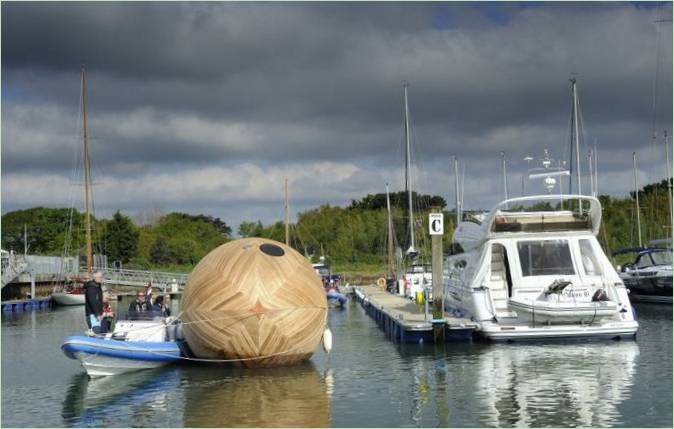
point(502, 220)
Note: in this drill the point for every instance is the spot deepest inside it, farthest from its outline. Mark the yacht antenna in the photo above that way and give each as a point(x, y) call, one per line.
point(528, 159)
point(505, 179)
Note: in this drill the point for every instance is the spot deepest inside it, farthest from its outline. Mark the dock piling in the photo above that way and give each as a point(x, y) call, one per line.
point(436, 230)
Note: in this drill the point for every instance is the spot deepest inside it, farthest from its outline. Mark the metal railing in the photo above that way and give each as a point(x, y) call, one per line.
point(12, 266)
point(139, 278)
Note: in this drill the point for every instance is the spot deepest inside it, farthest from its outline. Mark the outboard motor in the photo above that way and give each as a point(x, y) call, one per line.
point(175, 331)
point(600, 295)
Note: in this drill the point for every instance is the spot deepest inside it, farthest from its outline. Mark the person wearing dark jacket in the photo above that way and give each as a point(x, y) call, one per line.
point(160, 308)
point(93, 298)
point(139, 307)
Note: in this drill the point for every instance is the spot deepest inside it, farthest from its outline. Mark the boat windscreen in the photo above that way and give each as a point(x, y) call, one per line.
point(545, 257)
point(662, 258)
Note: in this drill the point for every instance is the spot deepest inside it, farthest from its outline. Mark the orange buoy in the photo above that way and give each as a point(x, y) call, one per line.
point(254, 300)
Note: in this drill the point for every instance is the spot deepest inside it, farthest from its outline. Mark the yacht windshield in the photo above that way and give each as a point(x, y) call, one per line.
point(662, 258)
point(545, 257)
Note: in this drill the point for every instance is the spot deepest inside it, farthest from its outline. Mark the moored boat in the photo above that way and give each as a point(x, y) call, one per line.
point(108, 356)
point(68, 297)
point(336, 297)
point(538, 274)
point(649, 276)
point(133, 345)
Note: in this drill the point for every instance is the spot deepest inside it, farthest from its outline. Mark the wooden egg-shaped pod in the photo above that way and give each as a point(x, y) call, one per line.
point(256, 300)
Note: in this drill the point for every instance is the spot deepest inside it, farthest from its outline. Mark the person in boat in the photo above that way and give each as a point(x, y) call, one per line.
point(93, 300)
point(108, 315)
point(139, 306)
point(333, 286)
point(159, 307)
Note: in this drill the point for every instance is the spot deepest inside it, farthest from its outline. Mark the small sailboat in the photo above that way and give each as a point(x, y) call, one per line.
point(648, 276)
point(73, 294)
point(417, 277)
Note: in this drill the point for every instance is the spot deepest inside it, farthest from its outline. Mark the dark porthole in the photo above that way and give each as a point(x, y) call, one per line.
point(272, 249)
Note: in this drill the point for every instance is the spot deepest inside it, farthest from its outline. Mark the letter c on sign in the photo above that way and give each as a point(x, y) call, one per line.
point(435, 225)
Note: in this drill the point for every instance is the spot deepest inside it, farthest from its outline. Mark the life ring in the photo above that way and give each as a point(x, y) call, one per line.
point(381, 282)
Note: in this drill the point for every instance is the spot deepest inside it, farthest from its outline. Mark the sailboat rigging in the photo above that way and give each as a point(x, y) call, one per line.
point(76, 296)
point(417, 276)
point(411, 251)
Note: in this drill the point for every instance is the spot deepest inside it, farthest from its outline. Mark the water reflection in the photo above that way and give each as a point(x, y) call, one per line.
point(555, 385)
point(134, 399)
point(280, 397)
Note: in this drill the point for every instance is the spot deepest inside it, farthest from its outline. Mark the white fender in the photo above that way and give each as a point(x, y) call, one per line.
point(327, 340)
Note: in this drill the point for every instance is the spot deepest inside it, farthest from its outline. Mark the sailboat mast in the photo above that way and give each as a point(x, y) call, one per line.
point(636, 194)
point(596, 170)
point(287, 220)
point(669, 183)
point(589, 162)
point(408, 179)
point(390, 250)
point(575, 133)
point(456, 188)
point(87, 176)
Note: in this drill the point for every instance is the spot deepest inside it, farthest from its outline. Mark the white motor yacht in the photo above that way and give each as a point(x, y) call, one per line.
point(533, 269)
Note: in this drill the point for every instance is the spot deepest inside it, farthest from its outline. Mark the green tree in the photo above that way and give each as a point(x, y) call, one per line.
point(121, 238)
point(251, 229)
point(160, 253)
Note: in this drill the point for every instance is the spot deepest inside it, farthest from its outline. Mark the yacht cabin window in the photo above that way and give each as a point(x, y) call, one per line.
point(545, 257)
point(644, 261)
point(589, 259)
point(662, 258)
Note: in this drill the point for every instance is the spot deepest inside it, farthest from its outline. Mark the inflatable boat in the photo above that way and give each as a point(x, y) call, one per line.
point(133, 345)
point(336, 298)
point(107, 356)
point(551, 311)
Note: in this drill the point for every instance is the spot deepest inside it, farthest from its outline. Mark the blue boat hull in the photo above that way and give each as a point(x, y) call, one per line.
point(167, 351)
point(337, 297)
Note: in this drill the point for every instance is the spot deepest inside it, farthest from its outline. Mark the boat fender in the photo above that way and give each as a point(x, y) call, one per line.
point(180, 335)
point(327, 340)
point(381, 282)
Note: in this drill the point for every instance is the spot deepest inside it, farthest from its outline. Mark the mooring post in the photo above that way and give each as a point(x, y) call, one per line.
point(436, 230)
point(32, 285)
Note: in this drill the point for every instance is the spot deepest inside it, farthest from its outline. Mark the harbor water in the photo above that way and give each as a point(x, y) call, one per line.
point(367, 381)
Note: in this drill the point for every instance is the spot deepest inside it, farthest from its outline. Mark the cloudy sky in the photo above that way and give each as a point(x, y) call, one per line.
point(206, 107)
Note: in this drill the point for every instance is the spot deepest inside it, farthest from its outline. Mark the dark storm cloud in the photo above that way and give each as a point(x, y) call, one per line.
point(182, 87)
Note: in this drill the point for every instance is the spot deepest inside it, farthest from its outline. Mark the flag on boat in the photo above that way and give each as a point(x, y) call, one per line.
point(148, 292)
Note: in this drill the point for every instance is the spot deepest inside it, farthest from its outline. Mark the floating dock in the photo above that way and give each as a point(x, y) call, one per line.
point(404, 321)
point(27, 304)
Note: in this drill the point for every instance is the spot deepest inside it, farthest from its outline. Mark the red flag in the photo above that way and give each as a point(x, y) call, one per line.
point(148, 292)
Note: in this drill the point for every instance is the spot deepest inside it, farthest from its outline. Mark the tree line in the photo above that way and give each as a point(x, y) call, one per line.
point(347, 236)
point(174, 240)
